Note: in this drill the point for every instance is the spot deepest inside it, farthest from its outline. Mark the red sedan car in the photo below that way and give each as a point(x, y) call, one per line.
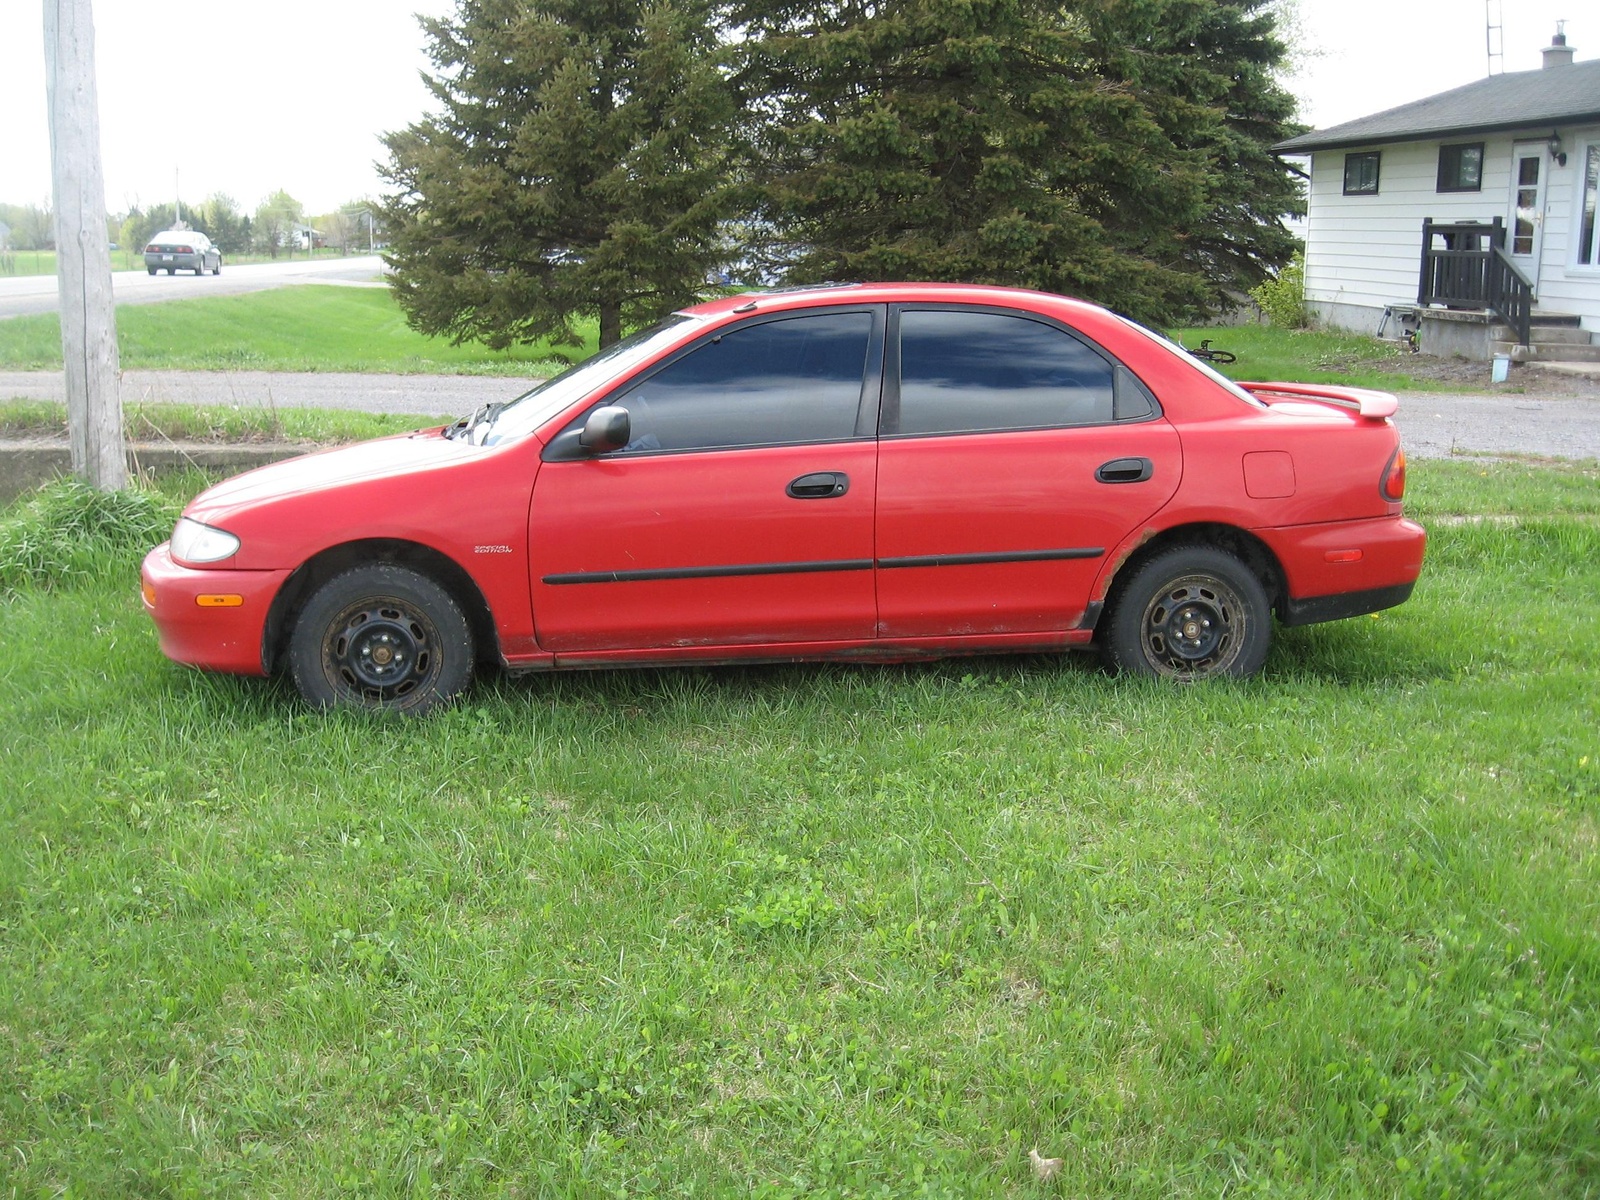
point(888, 471)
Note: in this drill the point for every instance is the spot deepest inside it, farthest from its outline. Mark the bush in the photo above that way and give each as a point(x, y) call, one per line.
point(68, 531)
point(1283, 298)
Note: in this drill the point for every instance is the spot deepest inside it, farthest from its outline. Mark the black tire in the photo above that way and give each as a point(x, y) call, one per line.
point(381, 637)
point(152, 270)
point(172, 270)
point(217, 270)
point(200, 267)
point(1190, 613)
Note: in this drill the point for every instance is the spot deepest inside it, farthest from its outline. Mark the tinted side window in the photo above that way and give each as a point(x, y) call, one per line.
point(792, 380)
point(975, 371)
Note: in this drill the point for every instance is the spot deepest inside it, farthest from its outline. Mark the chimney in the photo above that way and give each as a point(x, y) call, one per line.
point(1558, 53)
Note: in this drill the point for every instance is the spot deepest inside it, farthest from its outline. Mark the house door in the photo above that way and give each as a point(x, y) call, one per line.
point(1525, 223)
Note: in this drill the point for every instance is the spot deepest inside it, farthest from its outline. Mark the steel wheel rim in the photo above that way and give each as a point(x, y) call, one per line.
point(380, 650)
point(1193, 627)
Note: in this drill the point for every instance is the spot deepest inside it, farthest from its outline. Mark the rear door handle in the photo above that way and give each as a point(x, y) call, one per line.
point(1125, 470)
point(819, 485)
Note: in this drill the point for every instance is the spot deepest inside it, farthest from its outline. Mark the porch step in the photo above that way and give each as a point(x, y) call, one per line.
point(1543, 318)
point(1571, 335)
point(1544, 351)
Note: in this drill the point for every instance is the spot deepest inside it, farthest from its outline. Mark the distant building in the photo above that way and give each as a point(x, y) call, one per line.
point(1471, 213)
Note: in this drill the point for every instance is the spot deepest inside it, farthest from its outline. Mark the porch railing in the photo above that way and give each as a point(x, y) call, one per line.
point(1471, 269)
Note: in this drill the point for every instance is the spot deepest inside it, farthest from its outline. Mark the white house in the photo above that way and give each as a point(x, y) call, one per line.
point(1505, 173)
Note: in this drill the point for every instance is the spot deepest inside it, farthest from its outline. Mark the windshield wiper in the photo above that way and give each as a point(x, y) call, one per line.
point(465, 426)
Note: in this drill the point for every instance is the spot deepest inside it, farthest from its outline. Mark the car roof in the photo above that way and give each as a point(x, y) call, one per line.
point(177, 235)
point(895, 293)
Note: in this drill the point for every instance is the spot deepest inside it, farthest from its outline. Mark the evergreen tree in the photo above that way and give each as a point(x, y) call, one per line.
point(1087, 147)
point(576, 167)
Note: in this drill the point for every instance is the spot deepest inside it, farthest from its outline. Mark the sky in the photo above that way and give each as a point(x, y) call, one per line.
point(246, 97)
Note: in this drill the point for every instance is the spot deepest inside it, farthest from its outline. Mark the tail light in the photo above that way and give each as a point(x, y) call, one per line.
point(152, 248)
point(1394, 477)
point(185, 250)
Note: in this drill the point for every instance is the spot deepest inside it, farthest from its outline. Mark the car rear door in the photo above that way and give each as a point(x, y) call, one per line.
point(740, 512)
point(1014, 456)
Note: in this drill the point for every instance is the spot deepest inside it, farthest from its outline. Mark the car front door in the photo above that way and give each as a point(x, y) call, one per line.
point(1015, 456)
point(740, 511)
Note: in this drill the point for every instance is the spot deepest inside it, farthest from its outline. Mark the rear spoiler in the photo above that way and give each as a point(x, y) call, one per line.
point(1373, 405)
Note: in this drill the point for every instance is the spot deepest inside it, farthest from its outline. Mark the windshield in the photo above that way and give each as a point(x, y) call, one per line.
point(528, 411)
point(1203, 367)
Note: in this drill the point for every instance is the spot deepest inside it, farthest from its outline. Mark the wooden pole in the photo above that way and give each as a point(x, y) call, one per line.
point(83, 254)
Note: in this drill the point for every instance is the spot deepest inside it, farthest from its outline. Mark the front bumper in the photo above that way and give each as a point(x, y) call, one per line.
point(211, 619)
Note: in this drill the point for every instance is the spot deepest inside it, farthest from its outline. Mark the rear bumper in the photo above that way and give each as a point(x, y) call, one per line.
point(199, 630)
point(1345, 568)
point(1345, 604)
point(183, 262)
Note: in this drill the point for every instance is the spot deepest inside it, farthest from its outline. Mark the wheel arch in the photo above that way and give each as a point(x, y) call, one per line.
point(323, 566)
point(1243, 545)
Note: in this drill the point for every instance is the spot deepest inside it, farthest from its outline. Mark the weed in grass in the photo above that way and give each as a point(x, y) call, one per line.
point(68, 532)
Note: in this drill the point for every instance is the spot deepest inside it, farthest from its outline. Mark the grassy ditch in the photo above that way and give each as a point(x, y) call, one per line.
point(823, 930)
point(162, 422)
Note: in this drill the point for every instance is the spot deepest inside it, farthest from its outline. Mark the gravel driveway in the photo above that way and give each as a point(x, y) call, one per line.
point(1551, 417)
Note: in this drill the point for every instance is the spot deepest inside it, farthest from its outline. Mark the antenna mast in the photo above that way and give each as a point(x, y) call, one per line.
point(1494, 38)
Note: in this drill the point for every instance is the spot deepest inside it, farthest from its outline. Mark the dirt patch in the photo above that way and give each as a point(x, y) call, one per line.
point(1461, 374)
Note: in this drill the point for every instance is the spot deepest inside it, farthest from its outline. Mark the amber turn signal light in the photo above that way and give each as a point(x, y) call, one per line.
point(224, 600)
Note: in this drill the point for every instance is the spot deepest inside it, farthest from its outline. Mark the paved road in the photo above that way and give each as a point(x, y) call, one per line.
point(24, 294)
point(1434, 424)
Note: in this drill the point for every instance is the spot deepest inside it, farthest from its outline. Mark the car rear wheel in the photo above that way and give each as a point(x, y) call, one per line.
point(381, 637)
point(1190, 613)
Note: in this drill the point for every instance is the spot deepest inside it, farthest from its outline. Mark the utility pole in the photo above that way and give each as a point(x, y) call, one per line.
point(83, 254)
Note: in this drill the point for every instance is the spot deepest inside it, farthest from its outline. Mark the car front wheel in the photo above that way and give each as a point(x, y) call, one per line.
point(1190, 613)
point(381, 637)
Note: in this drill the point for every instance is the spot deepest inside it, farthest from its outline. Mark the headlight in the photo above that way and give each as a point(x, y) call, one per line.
point(197, 543)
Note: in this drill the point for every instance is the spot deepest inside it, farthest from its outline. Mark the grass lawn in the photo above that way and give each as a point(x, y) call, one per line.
point(825, 930)
point(313, 328)
point(1267, 353)
point(131, 258)
point(305, 328)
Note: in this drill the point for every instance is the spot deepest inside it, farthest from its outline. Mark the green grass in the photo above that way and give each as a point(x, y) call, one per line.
point(825, 930)
point(217, 423)
point(315, 328)
point(43, 262)
point(1267, 353)
point(306, 328)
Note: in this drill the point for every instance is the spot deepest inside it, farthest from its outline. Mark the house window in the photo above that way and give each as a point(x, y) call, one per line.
point(1361, 173)
point(1461, 167)
point(1588, 235)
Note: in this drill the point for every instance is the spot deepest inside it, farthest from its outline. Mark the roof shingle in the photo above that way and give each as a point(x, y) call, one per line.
point(1554, 96)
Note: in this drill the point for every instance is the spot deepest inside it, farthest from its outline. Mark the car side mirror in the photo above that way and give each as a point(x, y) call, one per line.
point(606, 429)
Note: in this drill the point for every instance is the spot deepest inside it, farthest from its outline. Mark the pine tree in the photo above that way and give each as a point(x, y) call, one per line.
point(576, 168)
point(1078, 147)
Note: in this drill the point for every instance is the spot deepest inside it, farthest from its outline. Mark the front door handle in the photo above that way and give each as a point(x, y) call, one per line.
point(819, 485)
point(1125, 470)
